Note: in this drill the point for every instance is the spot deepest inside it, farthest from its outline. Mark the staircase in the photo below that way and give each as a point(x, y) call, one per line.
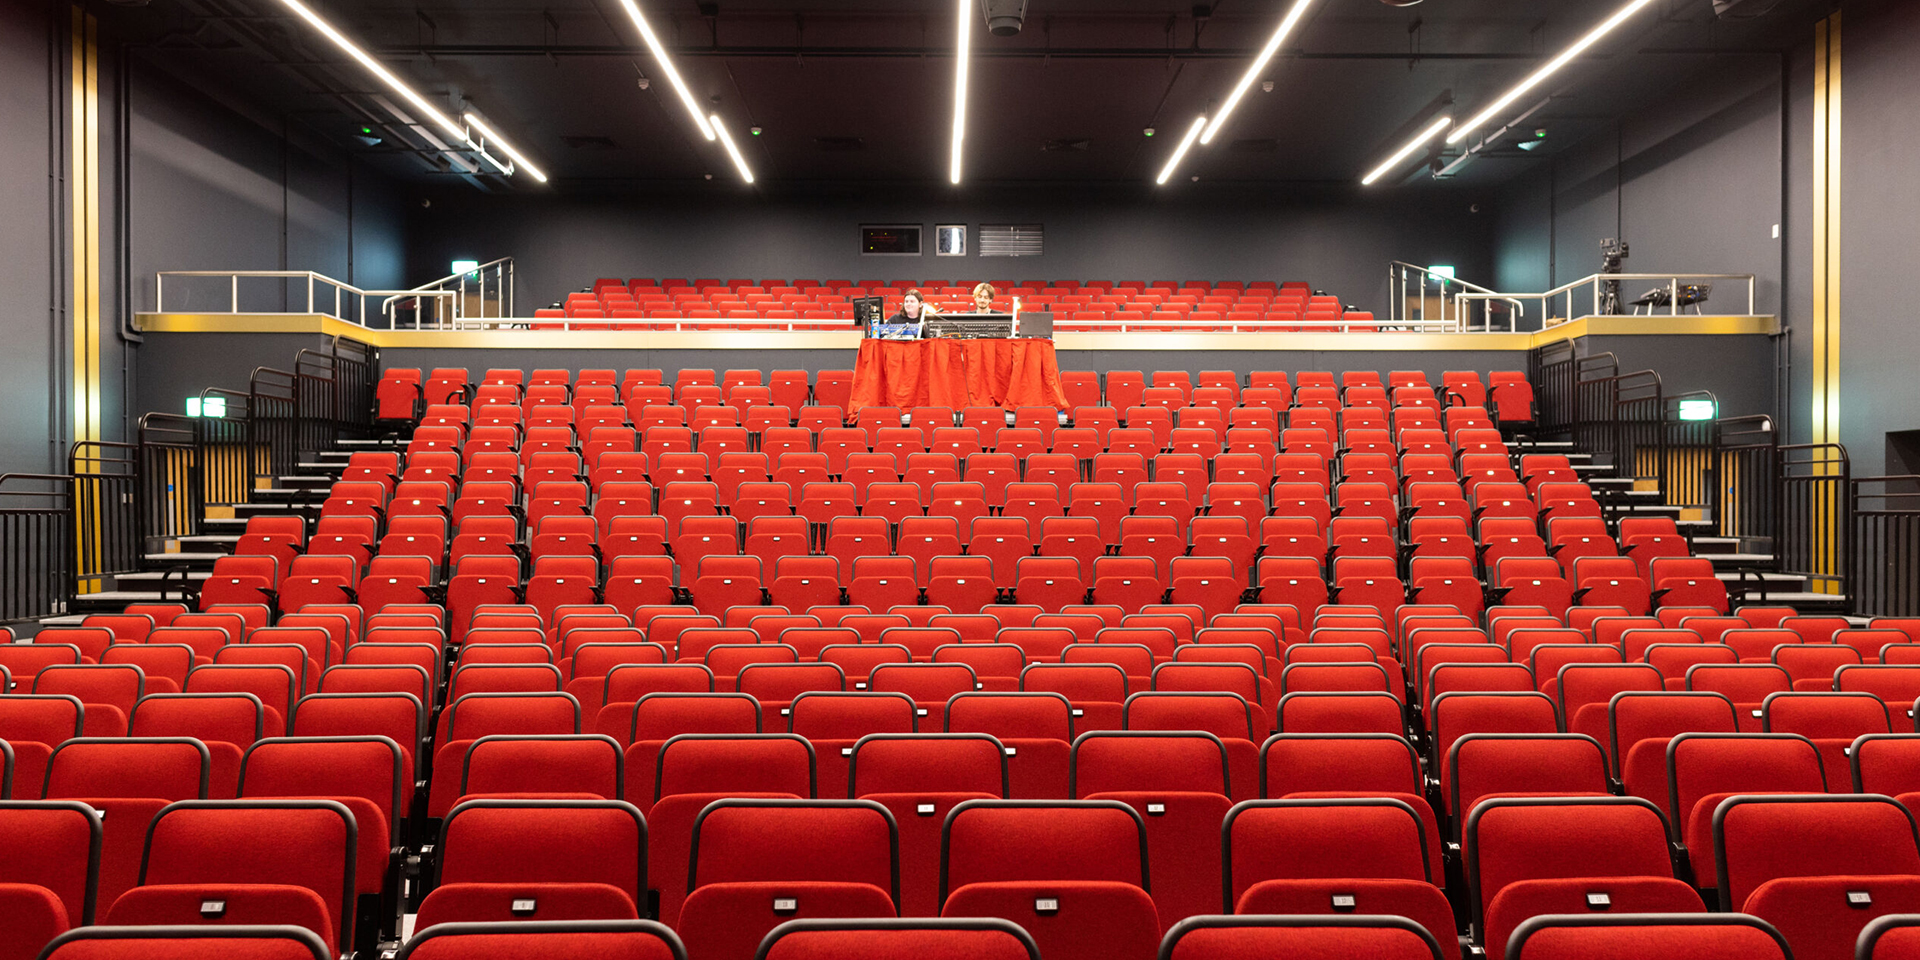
point(190, 559)
point(1747, 572)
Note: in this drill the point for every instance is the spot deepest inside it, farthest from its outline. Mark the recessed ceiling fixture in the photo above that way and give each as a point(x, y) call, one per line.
point(1399, 156)
point(1259, 67)
point(726, 140)
point(1548, 69)
point(666, 67)
point(960, 86)
point(494, 139)
point(1186, 143)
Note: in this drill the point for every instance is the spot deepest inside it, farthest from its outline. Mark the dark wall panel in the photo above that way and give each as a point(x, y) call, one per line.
point(1880, 230)
point(1338, 239)
point(28, 382)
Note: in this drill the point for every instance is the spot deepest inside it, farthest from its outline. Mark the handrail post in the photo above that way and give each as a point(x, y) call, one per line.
point(234, 301)
point(309, 292)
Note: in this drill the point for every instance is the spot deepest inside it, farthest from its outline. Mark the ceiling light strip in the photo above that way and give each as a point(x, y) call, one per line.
point(1549, 69)
point(1179, 152)
point(374, 67)
point(666, 67)
point(494, 139)
point(1259, 67)
point(726, 140)
point(1399, 156)
point(961, 53)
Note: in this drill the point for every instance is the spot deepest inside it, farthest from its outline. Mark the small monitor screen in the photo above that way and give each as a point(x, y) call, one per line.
point(868, 311)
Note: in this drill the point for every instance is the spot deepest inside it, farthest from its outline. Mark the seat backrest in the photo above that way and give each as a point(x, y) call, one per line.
point(1338, 762)
point(715, 763)
point(1762, 838)
point(1646, 936)
point(1332, 935)
point(759, 840)
point(986, 841)
point(157, 768)
point(1701, 764)
point(1323, 838)
point(1115, 761)
point(275, 942)
point(925, 938)
point(545, 841)
point(1510, 840)
point(56, 846)
point(886, 763)
point(292, 842)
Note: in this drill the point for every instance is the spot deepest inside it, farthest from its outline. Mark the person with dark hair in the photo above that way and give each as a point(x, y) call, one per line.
point(914, 312)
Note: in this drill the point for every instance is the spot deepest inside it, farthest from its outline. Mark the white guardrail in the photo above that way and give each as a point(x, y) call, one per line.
point(482, 299)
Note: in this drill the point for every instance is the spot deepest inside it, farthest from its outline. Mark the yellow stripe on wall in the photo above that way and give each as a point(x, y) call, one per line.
point(1825, 427)
point(84, 189)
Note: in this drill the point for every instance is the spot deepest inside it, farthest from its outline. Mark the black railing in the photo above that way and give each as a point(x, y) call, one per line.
point(1745, 481)
point(173, 471)
point(36, 545)
point(1554, 376)
point(105, 481)
point(1886, 546)
point(1816, 515)
point(1686, 460)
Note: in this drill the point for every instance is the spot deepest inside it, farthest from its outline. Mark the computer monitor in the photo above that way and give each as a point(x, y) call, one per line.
point(868, 311)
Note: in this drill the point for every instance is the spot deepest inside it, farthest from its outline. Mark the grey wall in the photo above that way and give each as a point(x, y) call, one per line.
point(1692, 182)
point(28, 313)
point(1337, 238)
point(1880, 230)
point(216, 187)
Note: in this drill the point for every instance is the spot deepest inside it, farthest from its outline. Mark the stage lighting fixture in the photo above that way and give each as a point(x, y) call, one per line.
point(726, 140)
point(494, 139)
point(1419, 140)
point(1186, 143)
point(960, 85)
point(1291, 20)
point(1548, 69)
point(666, 67)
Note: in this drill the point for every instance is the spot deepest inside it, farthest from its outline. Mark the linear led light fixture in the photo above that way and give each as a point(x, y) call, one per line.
point(960, 87)
point(1259, 67)
point(1466, 156)
point(726, 140)
point(1399, 156)
point(1186, 143)
point(1548, 69)
point(373, 66)
point(494, 139)
point(666, 67)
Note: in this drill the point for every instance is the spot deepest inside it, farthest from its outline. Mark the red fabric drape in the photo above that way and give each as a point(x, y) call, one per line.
point(956, 373)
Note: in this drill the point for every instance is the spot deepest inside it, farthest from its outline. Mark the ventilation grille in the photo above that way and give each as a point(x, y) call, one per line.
point(1010, 239)
point(1065, 146)
point(839, 144)
point(588, 143)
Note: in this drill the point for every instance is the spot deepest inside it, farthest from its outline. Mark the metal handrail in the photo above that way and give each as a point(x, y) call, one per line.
point(1597, 282)
point(1397, 276)
point(499, 270)
point(820, 325)
point(314, 282)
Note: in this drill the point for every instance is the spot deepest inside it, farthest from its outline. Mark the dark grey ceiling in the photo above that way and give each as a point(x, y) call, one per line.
point(861, 90)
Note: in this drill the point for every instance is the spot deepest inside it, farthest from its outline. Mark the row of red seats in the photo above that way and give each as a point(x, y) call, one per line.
point(400, 388)
point(1129, 877)
point(1622, 936)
